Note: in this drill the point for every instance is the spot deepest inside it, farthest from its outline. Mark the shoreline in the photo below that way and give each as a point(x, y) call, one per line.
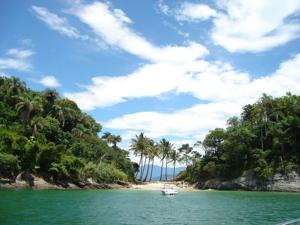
point(33, 182)
point(158, 186)
point(41, 184)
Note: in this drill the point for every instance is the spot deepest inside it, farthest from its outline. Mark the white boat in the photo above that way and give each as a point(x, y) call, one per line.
point(168, 191)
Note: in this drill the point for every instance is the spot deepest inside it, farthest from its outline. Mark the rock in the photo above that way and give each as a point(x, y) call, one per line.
point(123, 183)
point(28, 180)
point(289, 182)
point(25, 178)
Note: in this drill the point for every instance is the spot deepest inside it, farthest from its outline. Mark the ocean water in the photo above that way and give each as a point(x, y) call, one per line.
point(136, 207)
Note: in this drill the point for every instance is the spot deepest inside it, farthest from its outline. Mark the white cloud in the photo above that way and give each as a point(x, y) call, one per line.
point(50, 81)
point(148, 81)
point(188, 11)
point(177, 69)
point(16, 59)
point(162, 7)
point(153, 80)
point(57, 23)
point(113, 27)
point(228, 91)
point(19, 53)
point(244, 25)
point(255, 25)
point(194, 12)
point(173, 68)
point(184, 123)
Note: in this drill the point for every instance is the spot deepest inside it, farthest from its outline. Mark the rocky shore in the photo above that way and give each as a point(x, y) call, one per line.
point(248, 182)
point(289, 182)
point(30, 181)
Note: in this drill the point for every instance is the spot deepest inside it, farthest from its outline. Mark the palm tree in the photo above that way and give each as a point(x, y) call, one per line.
point(36, 124)
point(27, 105)
point(149, 150)
point(58, 112)
point(116, 139)
point(112, 139)
point(50, 95)
point(61, 113)
point(175, 157)
point(78, 131)
point(106, 136)
point(138, 147)
point(16, 86)
point(165, 148)
point(169, 150)
point(155, 153)
point(162, 157)
point(185, 150)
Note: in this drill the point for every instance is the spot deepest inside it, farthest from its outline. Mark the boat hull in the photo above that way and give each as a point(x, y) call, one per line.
point(169, 192)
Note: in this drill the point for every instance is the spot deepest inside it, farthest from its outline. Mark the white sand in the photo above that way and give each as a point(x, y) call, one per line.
point(158, 186)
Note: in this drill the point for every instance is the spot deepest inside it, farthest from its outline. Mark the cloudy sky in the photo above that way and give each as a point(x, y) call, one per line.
point(170, 68)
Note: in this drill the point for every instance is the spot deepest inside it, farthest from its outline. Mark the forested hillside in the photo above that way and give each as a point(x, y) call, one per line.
point(50, 136)
point(265, 140)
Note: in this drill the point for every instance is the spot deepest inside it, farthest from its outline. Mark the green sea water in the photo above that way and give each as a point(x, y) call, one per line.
point(116, 207)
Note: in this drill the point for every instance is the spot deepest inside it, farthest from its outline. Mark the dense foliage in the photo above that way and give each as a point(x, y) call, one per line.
point(265, 140)
point(47, 135)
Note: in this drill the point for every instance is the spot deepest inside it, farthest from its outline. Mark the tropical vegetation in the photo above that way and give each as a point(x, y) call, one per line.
point(44, 134)
point(264, 140)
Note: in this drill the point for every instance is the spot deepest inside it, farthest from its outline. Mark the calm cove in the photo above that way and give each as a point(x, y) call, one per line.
point(136, 207)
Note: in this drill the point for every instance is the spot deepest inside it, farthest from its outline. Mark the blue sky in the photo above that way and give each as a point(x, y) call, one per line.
point(173, 69)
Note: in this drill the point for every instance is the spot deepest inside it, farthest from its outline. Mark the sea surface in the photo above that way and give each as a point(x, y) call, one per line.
point(136, 207)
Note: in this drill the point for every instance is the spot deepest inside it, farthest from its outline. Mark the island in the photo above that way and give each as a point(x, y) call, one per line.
point(47, 142)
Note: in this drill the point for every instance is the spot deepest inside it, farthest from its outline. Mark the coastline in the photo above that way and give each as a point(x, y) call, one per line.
point(39, 183)
point(247, 182)
point(34, 182)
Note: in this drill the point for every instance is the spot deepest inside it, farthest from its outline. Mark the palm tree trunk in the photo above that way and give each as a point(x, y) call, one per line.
point(140, 164)
point(142, 172)
point(174, 170)
point(166, 172)
point(151, 170)
point(147, 170)
point(34, 130)
point(141, 167)
point(161, 169)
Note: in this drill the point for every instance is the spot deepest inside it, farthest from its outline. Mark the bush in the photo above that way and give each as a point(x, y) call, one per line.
point(103, 173)
point(108, 173)
point(263, 170)
point(9, 165)
point(68, 167)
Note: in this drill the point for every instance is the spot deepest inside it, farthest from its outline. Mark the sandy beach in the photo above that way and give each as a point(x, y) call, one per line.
point(158, 186)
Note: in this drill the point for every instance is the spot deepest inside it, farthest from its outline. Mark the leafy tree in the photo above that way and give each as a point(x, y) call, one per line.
point(264, 140)
point(185, 150)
